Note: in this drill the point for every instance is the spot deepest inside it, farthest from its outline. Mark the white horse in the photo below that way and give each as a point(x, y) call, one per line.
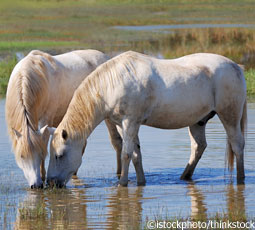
point(135, 89)
point(39, 91)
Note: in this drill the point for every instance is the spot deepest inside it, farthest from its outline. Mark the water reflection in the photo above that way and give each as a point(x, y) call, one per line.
point(125, 208)
point(67, 209)
point(53, 209)
point(235, 202)
point(197, 203)
point(121, 208)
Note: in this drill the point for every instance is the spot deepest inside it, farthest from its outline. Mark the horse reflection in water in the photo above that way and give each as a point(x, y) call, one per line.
point(198, 208)
point(70, 209)
point(63, 209)
point(235, 202)
point(122, 208)
point(125, 208)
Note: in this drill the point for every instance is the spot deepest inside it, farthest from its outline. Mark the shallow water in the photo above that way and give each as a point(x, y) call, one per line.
point(93, 200)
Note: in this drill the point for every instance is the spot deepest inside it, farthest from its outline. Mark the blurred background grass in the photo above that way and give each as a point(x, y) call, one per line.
point(57, 26)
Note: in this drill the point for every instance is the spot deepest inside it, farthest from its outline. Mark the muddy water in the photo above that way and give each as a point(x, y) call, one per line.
point(93, 200)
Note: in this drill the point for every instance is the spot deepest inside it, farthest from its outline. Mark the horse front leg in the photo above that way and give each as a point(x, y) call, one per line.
point(198, 145)
point(130, 131)
point(42, 170)
point(137, 161)
point(116, 140)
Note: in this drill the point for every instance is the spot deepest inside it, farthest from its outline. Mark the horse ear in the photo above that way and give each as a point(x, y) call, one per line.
point(64, 134)
point(16, 133)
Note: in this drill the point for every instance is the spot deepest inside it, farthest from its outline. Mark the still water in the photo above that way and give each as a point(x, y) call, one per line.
point(93, 200)
point(156, 28)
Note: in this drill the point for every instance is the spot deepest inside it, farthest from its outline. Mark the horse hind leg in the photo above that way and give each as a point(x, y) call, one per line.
point(198, 145)
point(235, 145)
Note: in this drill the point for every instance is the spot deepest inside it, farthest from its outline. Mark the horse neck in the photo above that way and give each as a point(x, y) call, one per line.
point(83, 116)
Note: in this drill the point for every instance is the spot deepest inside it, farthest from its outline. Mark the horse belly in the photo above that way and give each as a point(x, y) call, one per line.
point(177, 116)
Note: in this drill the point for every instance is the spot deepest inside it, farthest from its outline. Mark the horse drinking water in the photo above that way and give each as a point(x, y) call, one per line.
point(40, 88)
point(135, 89)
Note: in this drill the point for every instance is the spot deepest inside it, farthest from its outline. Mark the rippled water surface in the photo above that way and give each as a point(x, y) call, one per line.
point(93, 200)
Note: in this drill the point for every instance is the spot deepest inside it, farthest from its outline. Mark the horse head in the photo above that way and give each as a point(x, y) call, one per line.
point(30, 153)
point(65, 157)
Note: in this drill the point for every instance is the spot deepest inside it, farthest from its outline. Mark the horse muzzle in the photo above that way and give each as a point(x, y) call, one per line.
point(37, 186)
point(54, 182)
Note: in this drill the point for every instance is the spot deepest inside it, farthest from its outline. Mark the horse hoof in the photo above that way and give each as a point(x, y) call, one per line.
point(186, 176)
point(142, 183)
point(123, 183)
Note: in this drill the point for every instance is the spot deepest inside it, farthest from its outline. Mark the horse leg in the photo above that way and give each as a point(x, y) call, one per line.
point(198, 145)
point(116, 140)
point(130, 131)
point(45, 137)
point(235, 147)
point(115, 133)
point(233, 118)
point(42, 171)
point(137, 161)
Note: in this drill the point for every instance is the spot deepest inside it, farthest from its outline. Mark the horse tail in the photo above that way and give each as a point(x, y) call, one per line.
point(243, 124)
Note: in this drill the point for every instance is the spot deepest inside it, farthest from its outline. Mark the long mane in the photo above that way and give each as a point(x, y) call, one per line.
point(88, 98)
point(25, 91)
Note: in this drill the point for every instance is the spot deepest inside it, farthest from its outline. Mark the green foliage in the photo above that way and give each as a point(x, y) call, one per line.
point(6, 68)
point(250, 82)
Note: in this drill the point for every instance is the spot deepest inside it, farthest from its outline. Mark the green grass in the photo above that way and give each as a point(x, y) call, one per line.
point(6, 68)
point(250, 81)
point(90, 22)
point(29, 45)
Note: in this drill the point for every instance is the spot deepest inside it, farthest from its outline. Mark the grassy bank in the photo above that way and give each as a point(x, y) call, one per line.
point(72, 24)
